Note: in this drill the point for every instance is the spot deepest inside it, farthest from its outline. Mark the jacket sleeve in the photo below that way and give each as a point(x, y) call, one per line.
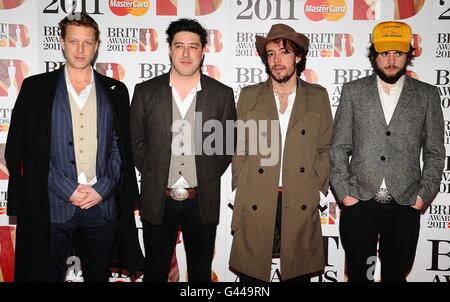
point(107, 183)
point(342, 146)
point(240, 154)
point(14, 151)
point(228, 119)
point(322, 162)
point(433, 149)
point(137, 126)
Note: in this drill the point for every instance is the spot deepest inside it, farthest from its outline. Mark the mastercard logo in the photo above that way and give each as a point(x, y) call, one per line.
point(331, 10)
point(326, 53)
point(132, 47)
point(133, 7)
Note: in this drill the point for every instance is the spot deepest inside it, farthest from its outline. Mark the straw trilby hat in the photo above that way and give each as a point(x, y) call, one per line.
point(281, 31)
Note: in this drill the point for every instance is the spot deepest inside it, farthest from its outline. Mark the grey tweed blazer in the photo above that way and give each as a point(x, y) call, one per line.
point(391, 151)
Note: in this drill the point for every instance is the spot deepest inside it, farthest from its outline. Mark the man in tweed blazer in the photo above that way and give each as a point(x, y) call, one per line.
point(180, 179)
point(384, 122)
point(71, 172)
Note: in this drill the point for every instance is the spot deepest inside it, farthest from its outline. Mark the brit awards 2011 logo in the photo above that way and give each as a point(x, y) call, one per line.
point(386, 9)
point(12, 74)
point(331, 10)
point(330, 45)
point(132, 39)
point(439, 215)
point(50, 38)
point(443, 45)
point(9, 4)
point(245, 44)
point(14, 35)
point(443, 84)
point(112, 70)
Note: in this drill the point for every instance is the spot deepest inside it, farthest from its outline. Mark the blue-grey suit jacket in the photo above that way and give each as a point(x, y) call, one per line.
point(62, 177)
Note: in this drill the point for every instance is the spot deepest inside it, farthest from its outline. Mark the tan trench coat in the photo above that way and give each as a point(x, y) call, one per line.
point(305, 172)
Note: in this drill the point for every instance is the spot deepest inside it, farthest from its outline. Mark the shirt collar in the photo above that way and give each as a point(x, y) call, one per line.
point(397, 86)
point(197, 87)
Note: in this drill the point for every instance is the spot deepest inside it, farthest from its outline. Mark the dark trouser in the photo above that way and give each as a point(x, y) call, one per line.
point(301, 278)
point(397, 228)
point(160, 241)
point(96, 236)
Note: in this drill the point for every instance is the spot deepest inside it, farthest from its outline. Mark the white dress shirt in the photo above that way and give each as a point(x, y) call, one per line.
point(284, 123)
point(389, 102)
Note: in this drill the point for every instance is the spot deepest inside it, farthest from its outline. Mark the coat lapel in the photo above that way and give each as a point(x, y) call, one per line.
point(202, 97)
point(301, 104)
point(165, 97)
point(266, 101)
point(62, 96)
point(406, 96)
point(373, 96)
point(103, 119)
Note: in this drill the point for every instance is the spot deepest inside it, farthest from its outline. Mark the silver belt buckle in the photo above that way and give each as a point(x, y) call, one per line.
point(383, 196)
point(179, 194)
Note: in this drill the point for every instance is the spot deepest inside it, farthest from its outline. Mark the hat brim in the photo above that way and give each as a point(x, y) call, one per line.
point(392, 46)
point(298, 39)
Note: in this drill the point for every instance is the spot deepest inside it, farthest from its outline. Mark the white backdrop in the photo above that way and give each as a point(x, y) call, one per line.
point(133, 49)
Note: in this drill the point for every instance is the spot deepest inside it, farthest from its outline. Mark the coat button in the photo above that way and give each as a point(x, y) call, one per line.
point(303, 132)
point(302, 170)
point(254, 207)
point(383, 158)
point(263, 134)
point(388, 133)
point(72, 162)
point(304, 207)
point(70, 143)
point(261, 171)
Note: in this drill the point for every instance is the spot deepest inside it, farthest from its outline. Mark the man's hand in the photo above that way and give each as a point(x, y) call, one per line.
point(92, 197)
point(349, 201)
point(77, 197)
point(419, 204)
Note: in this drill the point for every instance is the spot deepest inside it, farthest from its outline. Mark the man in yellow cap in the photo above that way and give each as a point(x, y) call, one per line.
point(384, 122)
point(275, 210)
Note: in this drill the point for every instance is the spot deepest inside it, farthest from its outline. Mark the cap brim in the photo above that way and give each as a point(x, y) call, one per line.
point(391, 46)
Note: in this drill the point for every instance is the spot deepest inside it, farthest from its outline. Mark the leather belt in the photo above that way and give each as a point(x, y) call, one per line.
point(383, 196)
point(180, 194)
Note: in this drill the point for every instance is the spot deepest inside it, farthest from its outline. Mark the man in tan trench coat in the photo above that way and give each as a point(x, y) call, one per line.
point(281, 164)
